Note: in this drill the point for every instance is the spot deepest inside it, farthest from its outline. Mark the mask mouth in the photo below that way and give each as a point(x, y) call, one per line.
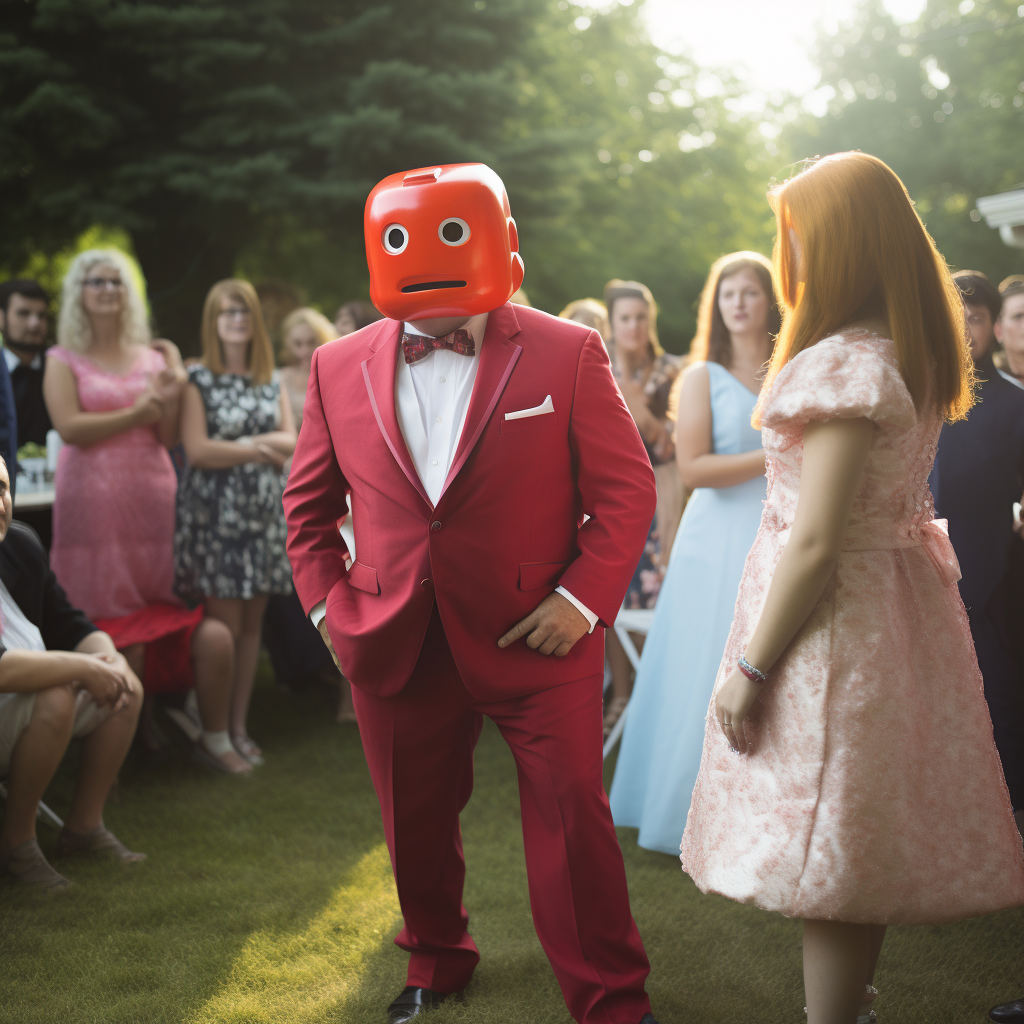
point(431, 285)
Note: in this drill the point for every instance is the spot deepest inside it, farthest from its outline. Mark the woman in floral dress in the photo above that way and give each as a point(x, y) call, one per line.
point(238, 432)
point(849, 776)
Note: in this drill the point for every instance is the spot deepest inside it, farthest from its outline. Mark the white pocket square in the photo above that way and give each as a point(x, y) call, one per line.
point(537, 410)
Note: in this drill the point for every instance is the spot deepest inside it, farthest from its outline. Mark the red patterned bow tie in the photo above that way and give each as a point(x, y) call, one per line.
point(416, 346)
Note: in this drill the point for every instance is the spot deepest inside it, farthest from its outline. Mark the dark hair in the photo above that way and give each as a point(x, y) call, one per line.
point(713, 343)
point(23, 286)
point(977, 290)
point(363, 313)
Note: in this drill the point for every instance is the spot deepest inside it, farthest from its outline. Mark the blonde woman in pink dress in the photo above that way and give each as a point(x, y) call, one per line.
point(113, 394)
point(849, 776)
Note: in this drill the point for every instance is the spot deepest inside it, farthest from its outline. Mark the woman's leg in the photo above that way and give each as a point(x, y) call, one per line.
point(247, 654)
point(213, 661)
point(836, 969)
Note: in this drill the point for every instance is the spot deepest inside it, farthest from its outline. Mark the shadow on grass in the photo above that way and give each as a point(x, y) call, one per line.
point(270, 899)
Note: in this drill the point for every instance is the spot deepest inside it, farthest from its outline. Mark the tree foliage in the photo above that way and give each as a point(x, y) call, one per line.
point(197, 126)
point(941, 100)
point(244, 137)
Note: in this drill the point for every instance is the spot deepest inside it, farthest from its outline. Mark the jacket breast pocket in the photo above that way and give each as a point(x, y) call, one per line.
point(527, 424)
point(363, 577)
point(534, 575)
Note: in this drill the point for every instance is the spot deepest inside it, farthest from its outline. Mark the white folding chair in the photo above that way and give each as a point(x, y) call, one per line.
point(629, 620)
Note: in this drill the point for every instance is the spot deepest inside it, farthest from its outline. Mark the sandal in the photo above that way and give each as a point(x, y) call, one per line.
point(99, 840)
point(613, 713)
point(248, 749)
point(202, 755)
point(27, 863)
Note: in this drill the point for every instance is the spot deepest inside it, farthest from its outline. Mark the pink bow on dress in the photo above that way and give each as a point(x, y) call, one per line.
point(935, 538)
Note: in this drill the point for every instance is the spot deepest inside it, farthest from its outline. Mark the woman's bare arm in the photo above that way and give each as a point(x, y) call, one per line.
point(835, 453)
point(169, 385)
point(698, 465)
point(202, 451)
point(60, 392)
point(283, 439)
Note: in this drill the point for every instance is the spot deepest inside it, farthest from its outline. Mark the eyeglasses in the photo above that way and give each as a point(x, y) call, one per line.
point(113, 283)
point(235, 313)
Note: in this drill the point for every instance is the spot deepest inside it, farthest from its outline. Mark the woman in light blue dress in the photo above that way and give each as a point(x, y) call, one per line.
point(720, 457)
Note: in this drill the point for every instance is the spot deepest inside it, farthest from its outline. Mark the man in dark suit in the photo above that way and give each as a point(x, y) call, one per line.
point(978, 475)
point(59, 677)
point(24, 320)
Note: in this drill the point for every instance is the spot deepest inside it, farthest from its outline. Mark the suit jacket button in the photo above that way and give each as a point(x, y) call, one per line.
point(426, 583)
point(435, 525)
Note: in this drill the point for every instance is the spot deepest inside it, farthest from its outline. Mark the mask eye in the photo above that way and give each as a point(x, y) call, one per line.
point(395, 239)
point(453, 231)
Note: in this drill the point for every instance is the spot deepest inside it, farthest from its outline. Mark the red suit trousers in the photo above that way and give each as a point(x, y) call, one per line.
point(419, 747)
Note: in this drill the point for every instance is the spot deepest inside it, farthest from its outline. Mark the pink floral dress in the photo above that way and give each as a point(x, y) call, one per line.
point(113, 517)
point(873, 792)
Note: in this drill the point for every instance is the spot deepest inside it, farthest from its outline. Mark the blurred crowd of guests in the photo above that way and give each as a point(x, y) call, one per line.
point(167, 569)
point(168, 538)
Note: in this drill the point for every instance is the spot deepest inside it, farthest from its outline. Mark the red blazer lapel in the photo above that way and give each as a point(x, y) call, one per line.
point(379, 374)
point(498, 356)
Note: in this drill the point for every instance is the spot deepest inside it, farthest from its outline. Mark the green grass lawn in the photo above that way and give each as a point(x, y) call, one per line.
point(270, 899)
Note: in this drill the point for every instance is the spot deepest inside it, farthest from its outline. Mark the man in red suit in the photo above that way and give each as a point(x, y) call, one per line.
point(476, 438)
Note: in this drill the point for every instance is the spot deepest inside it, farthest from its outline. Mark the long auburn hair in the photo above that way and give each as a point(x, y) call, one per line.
point(261, 352)
point(865, 250)
point(713, 342)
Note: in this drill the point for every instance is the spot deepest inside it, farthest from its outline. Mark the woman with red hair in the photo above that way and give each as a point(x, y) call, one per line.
point(849, 776)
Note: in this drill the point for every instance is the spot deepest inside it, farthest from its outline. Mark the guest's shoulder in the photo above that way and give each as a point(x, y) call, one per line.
point(544, 328)
point(22, 546)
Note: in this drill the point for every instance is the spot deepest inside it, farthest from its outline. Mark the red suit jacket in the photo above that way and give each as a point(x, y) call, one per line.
point(508, 527)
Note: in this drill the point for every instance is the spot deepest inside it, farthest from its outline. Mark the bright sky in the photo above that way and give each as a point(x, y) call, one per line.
point(765, 44)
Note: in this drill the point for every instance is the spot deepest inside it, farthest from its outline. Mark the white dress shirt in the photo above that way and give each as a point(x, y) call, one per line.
point(431, 401)
point(13, 362)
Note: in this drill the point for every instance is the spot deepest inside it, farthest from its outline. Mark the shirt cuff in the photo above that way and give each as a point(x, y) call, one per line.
point(317, 612)
point(579, 605)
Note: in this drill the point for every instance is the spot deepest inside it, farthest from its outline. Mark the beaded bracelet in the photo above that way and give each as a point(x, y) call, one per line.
point(755, 675)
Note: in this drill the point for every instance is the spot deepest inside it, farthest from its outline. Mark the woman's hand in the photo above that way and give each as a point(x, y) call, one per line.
point(270, 455)
point(171, 354)
point(148, 407)
point(732, 705)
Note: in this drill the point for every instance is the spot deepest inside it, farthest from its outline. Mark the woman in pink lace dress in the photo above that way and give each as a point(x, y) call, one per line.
point(114, 395)
point(849, 775)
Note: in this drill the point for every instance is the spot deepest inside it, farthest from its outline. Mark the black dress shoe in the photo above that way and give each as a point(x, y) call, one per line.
point(1008, 1011)
point(648, 1018)
point(414, 1001)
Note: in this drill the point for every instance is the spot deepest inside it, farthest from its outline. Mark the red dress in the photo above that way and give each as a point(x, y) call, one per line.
point(113, 526)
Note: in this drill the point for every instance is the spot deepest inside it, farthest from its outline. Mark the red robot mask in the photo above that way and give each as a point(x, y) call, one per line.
point(441, 242)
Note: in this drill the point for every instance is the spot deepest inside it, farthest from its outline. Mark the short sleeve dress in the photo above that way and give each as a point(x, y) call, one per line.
point(229, 540)
point(873, 791)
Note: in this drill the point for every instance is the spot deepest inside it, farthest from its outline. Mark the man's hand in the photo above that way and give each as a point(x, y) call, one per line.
point(325, 636)
point(551, 628)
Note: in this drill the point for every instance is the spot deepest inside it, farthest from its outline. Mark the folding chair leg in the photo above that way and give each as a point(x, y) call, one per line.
point(43, 813)
point(616, 733)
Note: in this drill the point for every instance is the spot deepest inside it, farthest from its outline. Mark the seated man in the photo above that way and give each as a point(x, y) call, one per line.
point(59, 677)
